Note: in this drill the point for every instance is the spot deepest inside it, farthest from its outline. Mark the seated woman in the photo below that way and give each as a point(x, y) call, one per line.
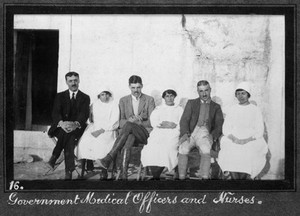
point(243, 148)
point(162, 148)
point(99, 136)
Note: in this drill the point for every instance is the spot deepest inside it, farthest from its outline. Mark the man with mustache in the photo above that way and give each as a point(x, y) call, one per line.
point(135, 110)
point(70, 113)
point(200, 126)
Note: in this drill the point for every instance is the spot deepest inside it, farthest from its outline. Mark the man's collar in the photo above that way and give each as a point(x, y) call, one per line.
point(207, 101)
point(136, 99)
point(71, 93)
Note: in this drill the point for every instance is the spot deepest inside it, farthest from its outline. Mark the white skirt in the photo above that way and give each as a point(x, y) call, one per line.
point(93, 148)
point(162, 149)
point(249, 158)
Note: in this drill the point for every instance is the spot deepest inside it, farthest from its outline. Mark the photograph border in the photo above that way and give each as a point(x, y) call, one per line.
point(288, 10)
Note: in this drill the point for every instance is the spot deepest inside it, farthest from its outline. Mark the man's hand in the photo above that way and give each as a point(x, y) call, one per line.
point(167, 124)
point(68, 126)
point(184, 138)
point(98, 132)
point(135, 119)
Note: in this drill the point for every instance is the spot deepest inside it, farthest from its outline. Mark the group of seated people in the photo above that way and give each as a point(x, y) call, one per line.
point(168, 132)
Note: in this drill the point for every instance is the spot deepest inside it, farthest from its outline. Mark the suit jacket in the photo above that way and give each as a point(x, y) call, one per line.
point(62, 108)
point(190, 118)
point(146, 106)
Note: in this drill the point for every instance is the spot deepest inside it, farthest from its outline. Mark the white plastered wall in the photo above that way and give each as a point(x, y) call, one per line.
point(169, 53)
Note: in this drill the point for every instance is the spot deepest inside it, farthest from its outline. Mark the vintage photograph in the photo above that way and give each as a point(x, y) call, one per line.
point(157, 97)
point(157, 108)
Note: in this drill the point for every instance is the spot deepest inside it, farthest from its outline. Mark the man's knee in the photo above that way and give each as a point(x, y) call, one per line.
point(184, 148)
point(205, 149)
point(127, 128)
point(129, 142)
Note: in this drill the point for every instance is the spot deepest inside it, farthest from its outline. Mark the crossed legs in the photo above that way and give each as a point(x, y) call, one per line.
point(131, 133)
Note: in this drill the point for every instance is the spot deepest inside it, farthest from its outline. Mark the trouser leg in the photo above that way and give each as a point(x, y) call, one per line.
point(83, 163)
point(58, 148)
point(126, 155)
point(69, 152)
point(204, 166)
point(184, 150)
point(89, 165)
point(138, 131)
point(182, 165)
point(131, 133)
point(204, 145)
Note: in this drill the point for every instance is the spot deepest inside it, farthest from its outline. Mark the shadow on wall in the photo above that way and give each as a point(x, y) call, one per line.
point(182, 102)
point(218, 100)
point(157, 97)
point(267, 166)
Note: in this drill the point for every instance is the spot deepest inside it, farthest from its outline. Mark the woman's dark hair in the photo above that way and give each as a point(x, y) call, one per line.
point(106, 92)
point(135, 79)
point(242, 90)
point(169, 91)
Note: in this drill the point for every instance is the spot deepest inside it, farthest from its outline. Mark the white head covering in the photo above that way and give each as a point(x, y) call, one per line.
point(108, 90)
point(245, 86)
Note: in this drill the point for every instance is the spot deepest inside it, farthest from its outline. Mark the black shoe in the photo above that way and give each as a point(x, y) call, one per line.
point(103, 174)
point(89, 166)
point(51, 162)
point(104, 162)
point(68, 175)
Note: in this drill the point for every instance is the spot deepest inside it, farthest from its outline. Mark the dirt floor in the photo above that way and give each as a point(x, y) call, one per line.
point(38, 170)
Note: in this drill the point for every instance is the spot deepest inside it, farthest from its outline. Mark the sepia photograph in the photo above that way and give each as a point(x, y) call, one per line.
point(139, 101)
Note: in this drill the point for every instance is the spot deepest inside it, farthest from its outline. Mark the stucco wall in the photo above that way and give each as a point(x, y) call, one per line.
point(175, 51)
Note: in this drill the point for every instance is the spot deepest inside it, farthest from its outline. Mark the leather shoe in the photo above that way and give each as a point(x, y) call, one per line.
point(90, 165)
point(103, 174)
point(68, 175)
point(104, 162)
point(51, 163)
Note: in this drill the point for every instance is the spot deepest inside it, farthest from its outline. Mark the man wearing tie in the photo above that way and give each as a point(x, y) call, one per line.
point(69, 115)
point(135, 110)
point(200, 126)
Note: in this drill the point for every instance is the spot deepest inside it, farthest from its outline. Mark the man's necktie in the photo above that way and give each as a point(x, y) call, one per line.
point(73, 100)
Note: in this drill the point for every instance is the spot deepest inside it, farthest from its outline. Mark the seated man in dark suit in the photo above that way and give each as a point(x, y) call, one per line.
point(135, 110)
point(200, 126)
point(70, 113)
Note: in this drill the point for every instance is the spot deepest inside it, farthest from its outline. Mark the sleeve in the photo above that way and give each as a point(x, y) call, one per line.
point(259, 124)
point(84, 111)
point(151, 106)
point(122, 117)
point(113, 121)
point(91, 117)
point(155, 117)
point(185, 119)
point(179, 114)
point(219, 120)
point(147, 111)
point(227, 126)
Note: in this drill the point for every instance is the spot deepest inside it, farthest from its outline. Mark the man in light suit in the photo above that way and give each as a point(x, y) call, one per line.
point(70, 113)
point(200, 126)
point(135, 110)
